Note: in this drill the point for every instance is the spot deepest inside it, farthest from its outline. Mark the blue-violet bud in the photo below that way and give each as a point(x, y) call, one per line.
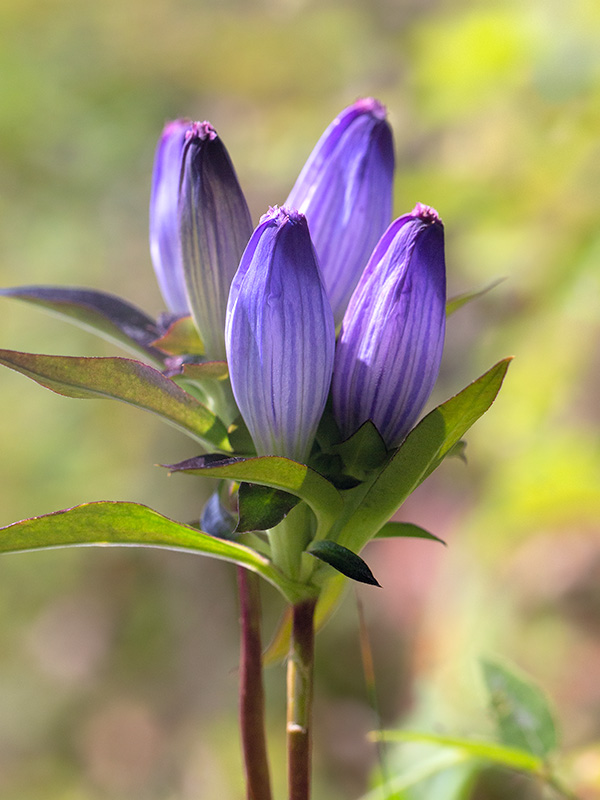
point(164, 217)
point(215, 226)
point(389, 350)
point(345, 191)
point(280, 337)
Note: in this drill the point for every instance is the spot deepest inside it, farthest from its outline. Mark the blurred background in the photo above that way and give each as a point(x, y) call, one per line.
point(118, 667)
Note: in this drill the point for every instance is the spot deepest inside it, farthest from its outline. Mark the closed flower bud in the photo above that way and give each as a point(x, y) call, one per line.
point(164, 219)
point(389, 350)
point(280, 337)
point(215, 226)
point(345, 191)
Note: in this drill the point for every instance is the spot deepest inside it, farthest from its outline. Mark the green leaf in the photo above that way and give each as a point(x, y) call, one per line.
point(363, 452)
point(511, 757)
point(392, 530)
point(122, 379)
point(181, 339)
point(102, 313)
point(276, 472)
point(117, 523)
point(423, 450)
point(262, 507)
point(344, 560)
point(521, 710)
point(460, 300)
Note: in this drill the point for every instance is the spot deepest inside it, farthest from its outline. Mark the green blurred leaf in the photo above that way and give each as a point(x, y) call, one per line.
point(181, 339)
point(262, 507)
point(276, 472)
point(122, 379)
point(423, 450)
point(392, 530)
point(511, 757)
point(343, 560)
point(117, 523)
point(521, 710)
point(460, 300)
point(208, 370)
point(102, 313)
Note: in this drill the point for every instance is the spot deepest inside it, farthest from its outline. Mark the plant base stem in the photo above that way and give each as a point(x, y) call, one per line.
point(252, 698)
point(299, 700)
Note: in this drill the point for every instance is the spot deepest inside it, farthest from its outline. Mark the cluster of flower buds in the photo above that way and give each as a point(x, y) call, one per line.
point(270, 301)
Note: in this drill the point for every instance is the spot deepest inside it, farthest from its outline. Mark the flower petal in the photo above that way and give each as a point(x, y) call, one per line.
point(345, 191)
point(389, 350)
point(280, 337)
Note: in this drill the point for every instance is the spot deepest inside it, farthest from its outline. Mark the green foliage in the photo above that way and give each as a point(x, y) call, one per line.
point(343, 560)
point(393, 530)
point(122, 379)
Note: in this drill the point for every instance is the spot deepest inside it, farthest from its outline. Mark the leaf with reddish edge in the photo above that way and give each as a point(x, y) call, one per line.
point(180, 339)
point(122, 379)
point(121, 523)
point(277, 472)
point(100, 312)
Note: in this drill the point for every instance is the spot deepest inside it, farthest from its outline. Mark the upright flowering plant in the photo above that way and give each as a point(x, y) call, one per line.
point(245, 362)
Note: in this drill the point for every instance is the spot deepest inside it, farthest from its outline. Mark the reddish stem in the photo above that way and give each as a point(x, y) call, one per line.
point(252, 696)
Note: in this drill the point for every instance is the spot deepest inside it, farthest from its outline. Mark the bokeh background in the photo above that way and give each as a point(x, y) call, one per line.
point(118, 667)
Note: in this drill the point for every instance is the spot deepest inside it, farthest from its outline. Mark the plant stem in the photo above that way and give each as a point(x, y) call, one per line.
point(299, 699)
point(252, 696)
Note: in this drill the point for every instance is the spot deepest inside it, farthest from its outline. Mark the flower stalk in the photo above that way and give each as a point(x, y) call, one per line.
point(252, 696)
point(299, 700)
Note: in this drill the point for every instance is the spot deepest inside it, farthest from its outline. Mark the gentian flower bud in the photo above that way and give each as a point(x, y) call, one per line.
point(164, 220)
point(280, 337)
point(345, 191)
point(389, 350)
point(215, 226)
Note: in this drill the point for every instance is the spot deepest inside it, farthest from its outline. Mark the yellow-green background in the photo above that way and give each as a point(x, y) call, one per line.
point(117, 668)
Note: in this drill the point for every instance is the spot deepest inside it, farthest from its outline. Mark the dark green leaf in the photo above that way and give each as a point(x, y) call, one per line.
point(122, 379)
point(521, 710)
point(102, 313)
point(181, 339)
point(460, 300)
point(344, 560)
point(423, 450)
point(391, 530)
point(115, 523)
point(276, 472)
point(363, 452)
point(262, 507)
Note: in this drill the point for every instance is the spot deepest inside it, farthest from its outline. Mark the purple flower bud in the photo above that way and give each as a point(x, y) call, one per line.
point(280, 337)
point(389, 350)
point(215, 226)
point(345, 191)
point(164, 219)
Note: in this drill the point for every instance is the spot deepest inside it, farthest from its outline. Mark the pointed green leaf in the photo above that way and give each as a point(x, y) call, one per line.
point(344, 560)
point(521, 710)
point(363, 452)
point(117, 523)
point(392, 530)
point(460, 300)
point(276, 472)
point(422, 451)
point(262, 507)
point(122, 379)
point(181, 339)
point(102, 313)
point(510, 757)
